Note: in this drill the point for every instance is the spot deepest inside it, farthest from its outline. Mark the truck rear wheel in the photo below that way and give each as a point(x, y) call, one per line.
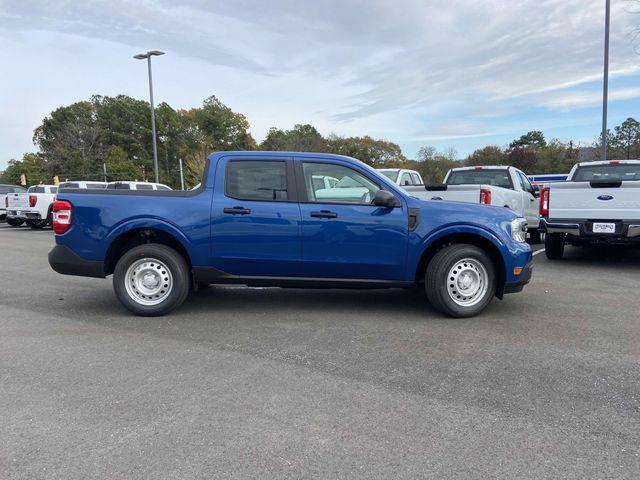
point(554, 245)
point(151, 280)
point(37, 224)
point(460, 280)
point(15, 222)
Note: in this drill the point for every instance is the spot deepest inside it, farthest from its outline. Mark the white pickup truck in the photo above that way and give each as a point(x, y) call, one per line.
point(4, 201)
point(402, 176)
point(492, 185)
point(33, 207)
point(598, 204)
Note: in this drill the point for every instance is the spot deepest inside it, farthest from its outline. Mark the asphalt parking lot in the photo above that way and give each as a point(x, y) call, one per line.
point(274, 383)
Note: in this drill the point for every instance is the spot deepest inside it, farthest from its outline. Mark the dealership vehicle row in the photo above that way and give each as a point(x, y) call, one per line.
point(318, 220)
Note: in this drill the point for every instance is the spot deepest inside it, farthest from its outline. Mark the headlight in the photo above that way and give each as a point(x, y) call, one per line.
point(519, 230)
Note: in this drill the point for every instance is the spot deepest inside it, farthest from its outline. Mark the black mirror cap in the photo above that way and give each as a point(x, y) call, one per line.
point(385, 199)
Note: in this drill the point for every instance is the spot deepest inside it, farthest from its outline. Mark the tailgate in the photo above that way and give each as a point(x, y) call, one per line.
point(18, 201)
point(582, 201)
point(452, 193)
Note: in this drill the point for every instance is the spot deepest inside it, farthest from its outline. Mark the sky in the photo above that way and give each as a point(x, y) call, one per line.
point(461, 74)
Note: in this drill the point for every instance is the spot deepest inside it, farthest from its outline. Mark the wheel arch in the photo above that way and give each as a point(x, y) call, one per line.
point(464, 237)
point(139, 233)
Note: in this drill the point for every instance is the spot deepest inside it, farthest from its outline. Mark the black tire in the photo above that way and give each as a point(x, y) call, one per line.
point(15, 222)
point(554, 245)
point(171, 260)
point(37, 224)
point(437, 280)
point(534, 237)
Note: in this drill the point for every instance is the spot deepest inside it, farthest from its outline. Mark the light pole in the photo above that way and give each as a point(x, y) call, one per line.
point(142, 56)
point(605, 87)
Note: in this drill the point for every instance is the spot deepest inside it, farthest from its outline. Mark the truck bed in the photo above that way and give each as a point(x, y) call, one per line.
point(585, 200)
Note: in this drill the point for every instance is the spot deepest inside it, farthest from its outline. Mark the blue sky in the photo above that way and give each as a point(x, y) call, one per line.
point(458, 74)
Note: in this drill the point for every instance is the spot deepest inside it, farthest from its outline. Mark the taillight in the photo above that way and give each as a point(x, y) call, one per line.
point(485, 196)
point(61, 216)
point(33, 200)
point(545, 193)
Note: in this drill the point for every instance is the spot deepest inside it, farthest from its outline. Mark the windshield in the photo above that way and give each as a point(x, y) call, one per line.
point(390, 174)
point(497, 178)
point(607, 173)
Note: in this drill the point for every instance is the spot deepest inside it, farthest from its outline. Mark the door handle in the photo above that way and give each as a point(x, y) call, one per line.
point(237, 211)
point(324, 214)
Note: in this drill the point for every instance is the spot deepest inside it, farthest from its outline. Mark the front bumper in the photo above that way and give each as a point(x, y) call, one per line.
point(525, 277)
point(64, 260)
point(626, 231)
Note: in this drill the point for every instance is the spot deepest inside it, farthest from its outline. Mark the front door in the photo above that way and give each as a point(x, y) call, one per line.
point(344, 236)
point(255, 218)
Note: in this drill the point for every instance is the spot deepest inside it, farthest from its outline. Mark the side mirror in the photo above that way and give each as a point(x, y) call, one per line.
point(536, 191)
point(385, 199)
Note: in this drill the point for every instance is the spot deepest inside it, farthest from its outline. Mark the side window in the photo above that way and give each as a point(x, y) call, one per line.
point(251, 180)
point(526, 185)
point(351, 186)
point(53, 190)
point(416, 179)
point(162, 187)
point(142, 186)
point(122, 186)
point(405, 179)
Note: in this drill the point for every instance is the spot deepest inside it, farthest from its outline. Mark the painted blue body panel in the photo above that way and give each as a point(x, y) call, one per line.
point(280, 238)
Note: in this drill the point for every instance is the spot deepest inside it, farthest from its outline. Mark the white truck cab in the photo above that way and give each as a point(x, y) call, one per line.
point(82, 184)
point(402, 176)
point(598, 204)
point(491, 185)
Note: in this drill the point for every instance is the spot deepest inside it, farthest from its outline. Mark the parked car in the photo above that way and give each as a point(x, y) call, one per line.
point(4, 201)
point(136, 186)
point(257, 220)
point(402, 176)
point(598, 204)
point(502, 186)
point(33, 206)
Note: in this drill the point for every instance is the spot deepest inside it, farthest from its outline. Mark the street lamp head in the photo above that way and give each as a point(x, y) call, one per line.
point(142, 56)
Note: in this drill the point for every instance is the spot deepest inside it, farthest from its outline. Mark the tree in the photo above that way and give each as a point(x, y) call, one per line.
point(377, 153)
point(433, 166)
point(120, 167)
point(626, 139)
point(535, 138)
point(301, 138)
point(31, 166)
point(491, 155)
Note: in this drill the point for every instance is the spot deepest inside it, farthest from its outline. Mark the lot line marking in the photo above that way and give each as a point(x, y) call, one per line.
point(538, 251)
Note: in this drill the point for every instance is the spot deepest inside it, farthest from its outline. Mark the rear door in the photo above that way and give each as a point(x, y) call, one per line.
point(255, 217)
point(344, 236)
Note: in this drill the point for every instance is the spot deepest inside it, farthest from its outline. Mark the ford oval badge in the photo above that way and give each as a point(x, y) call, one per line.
point(605, 197)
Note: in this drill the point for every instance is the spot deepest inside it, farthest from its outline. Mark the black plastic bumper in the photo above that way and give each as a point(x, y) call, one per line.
point(64, 260)
point(525, 277)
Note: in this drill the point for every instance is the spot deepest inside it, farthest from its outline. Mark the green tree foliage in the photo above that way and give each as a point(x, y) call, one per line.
point(377, 153)
point(301, 138)
point(626, 140)
point(31, 166)
point(120, 167)
point(490, 155)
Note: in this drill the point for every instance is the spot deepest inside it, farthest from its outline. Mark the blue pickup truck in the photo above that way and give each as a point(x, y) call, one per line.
point(289, 220)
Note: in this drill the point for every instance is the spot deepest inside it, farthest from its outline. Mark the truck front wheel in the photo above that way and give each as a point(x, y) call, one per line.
point(554, 245)
point(460, 280)
point(151, 280)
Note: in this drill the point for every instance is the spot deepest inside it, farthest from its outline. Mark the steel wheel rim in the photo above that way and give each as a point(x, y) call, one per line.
point(467, 282)
point(148, 281)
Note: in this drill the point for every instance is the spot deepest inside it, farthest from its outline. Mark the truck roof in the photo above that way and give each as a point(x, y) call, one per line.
point(258, 154)
point(608, 162)
point(482, 167)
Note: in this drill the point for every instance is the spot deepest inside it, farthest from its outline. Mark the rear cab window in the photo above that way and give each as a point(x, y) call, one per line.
point(493, 177)
point(256, 180)
point(607, 173)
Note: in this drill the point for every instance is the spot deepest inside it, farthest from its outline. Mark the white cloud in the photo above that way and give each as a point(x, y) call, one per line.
point(588, 98)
